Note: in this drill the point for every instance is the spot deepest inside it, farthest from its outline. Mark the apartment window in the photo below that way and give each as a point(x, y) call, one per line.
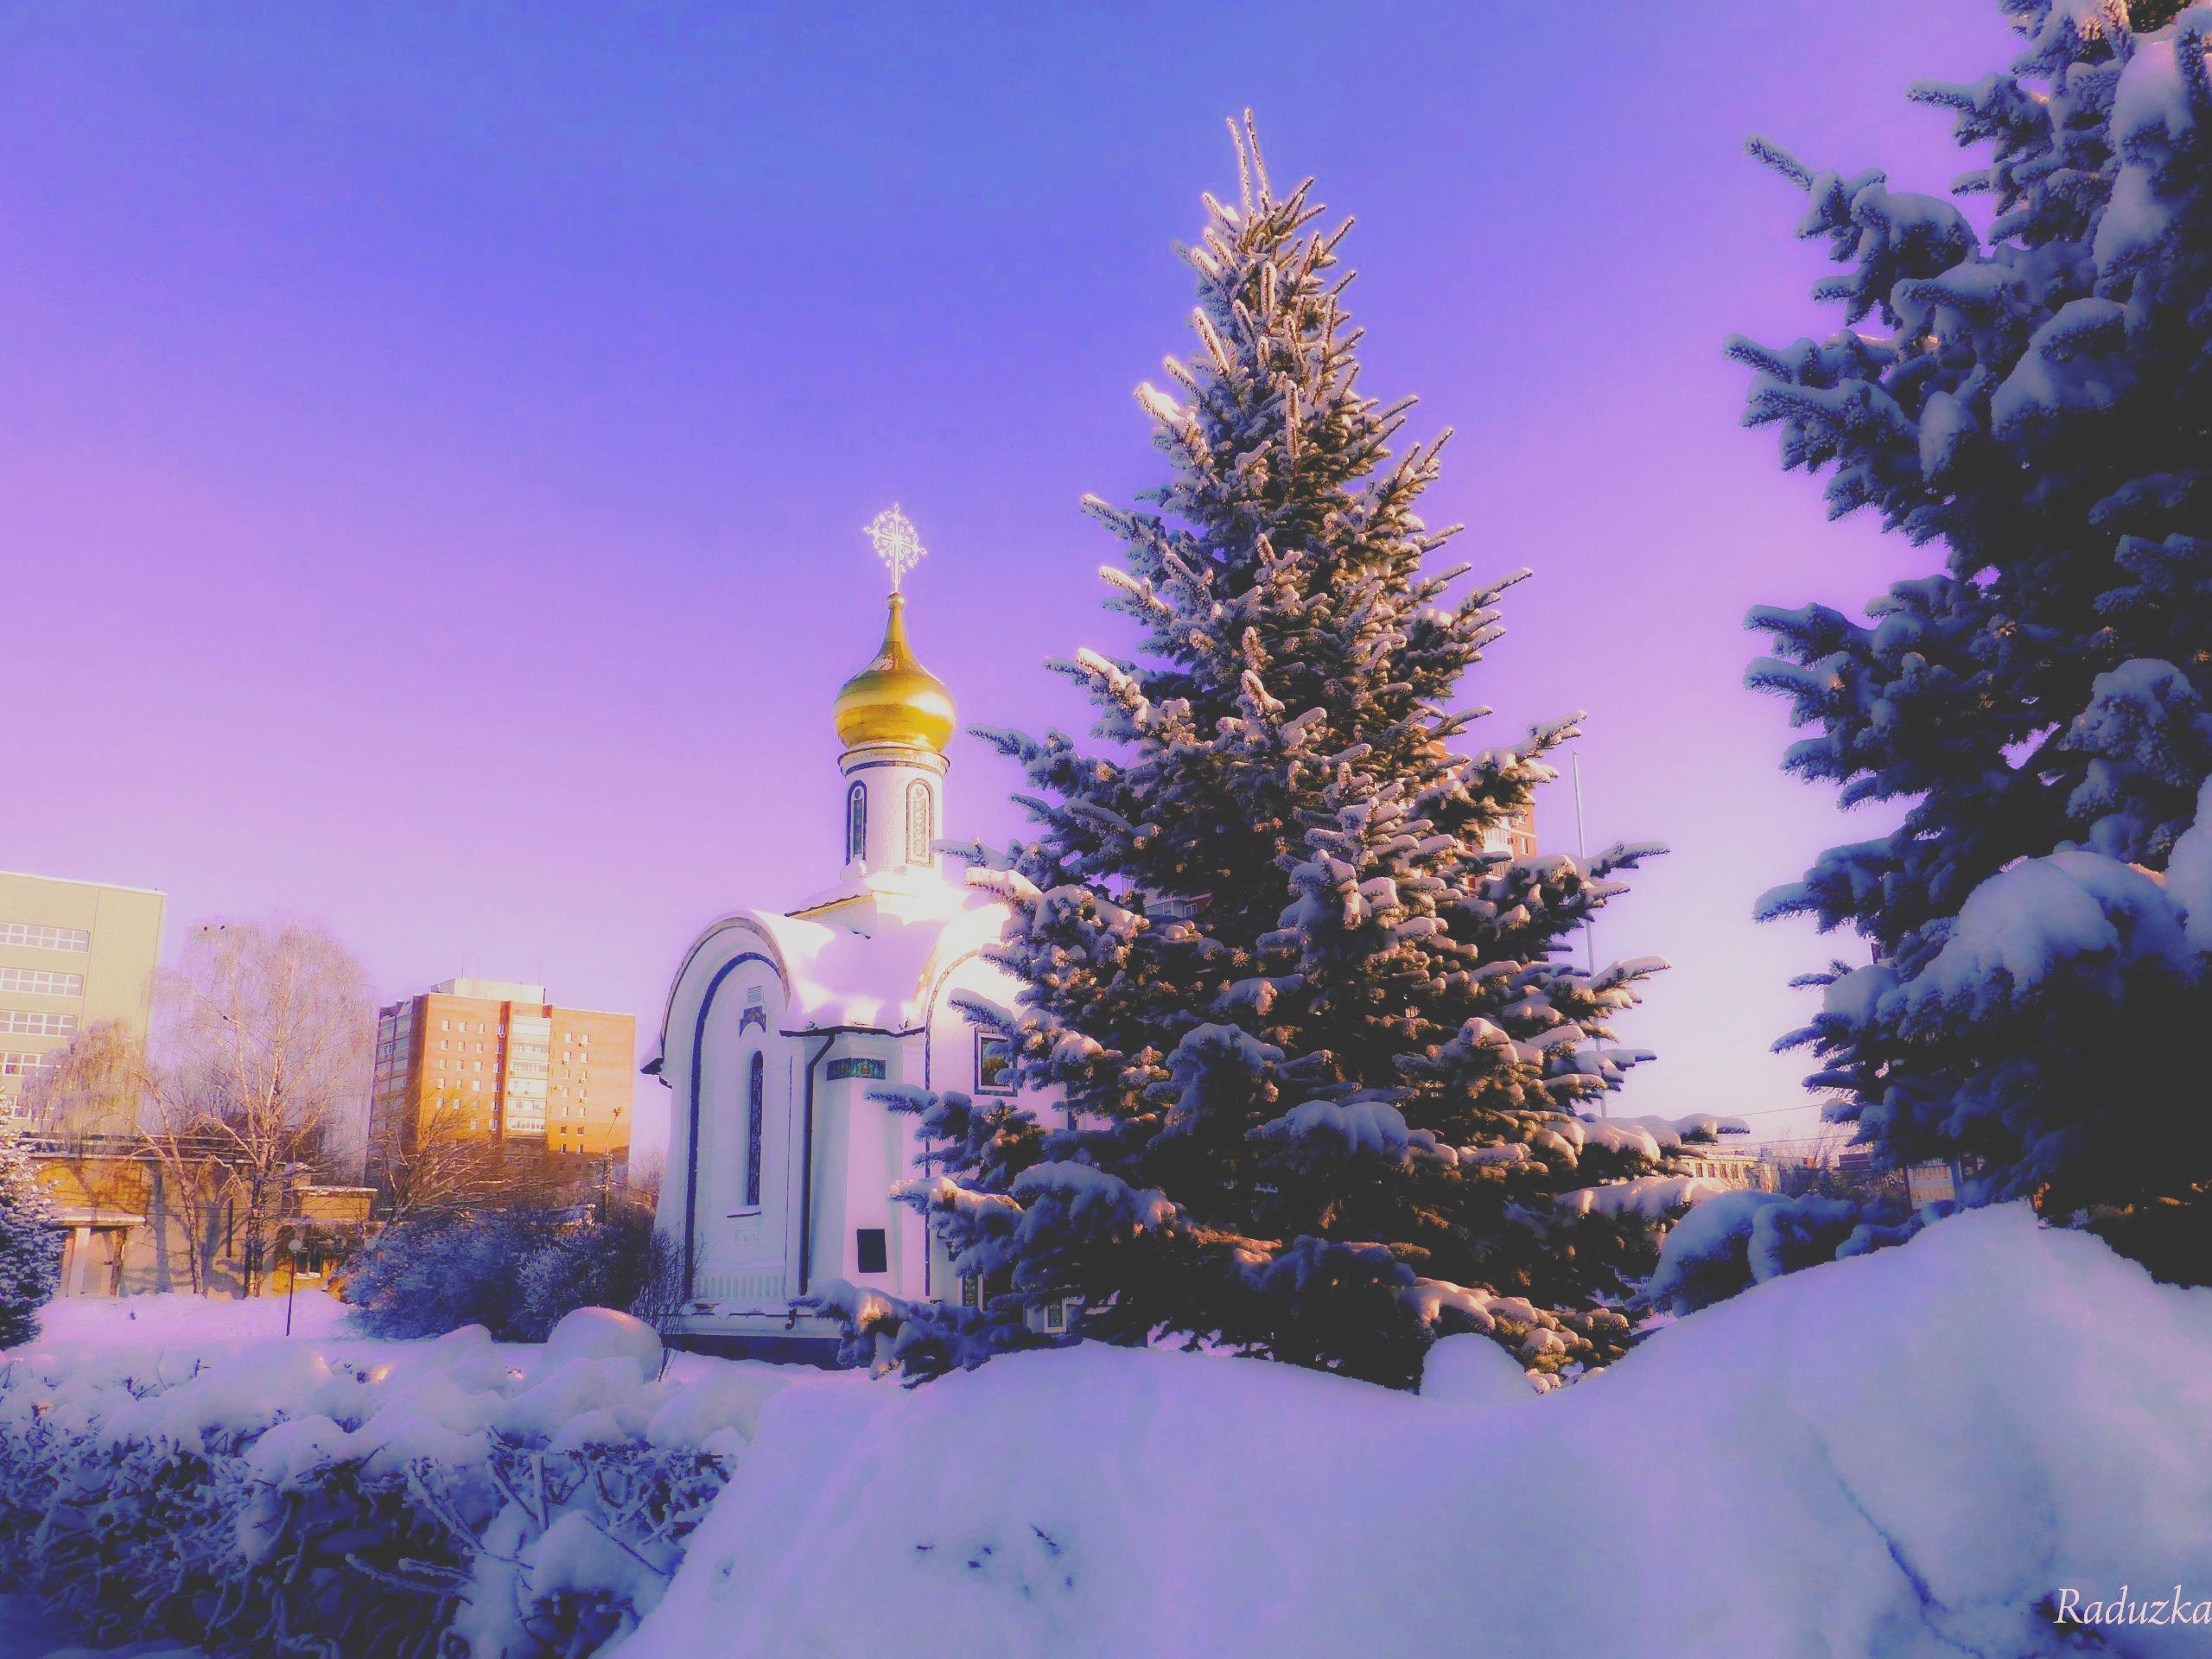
point(919, 827)
point(993, 1064)
point(35, 937)
point(874, 1256)
point(756, 1091)
point(21, 1065)
point(42, 981)
point(22, 1023)
point(856, 822)
point(840, 1070)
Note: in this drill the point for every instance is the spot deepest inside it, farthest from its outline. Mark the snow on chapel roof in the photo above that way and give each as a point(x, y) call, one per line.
point(870, 954)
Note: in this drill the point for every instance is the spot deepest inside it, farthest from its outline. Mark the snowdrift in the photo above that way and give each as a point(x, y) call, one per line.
point(1899, 1454)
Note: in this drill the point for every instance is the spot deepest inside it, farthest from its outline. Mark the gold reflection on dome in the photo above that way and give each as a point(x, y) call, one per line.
point(894, 699)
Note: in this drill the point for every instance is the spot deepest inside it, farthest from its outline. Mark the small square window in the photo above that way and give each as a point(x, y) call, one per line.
point(994, 1065)
point(873, 1256)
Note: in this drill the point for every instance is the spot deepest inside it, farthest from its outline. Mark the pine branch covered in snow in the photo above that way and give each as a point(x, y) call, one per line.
point(2034, 402)
point(30, 1242)
point(1321, 1052)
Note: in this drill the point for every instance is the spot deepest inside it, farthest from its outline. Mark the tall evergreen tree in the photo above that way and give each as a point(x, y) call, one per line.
point(2035, 401)
point(30, 1242)
point(1321, 1051)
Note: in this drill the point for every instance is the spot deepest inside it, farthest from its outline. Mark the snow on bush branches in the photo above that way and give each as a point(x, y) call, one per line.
point(442, 1498)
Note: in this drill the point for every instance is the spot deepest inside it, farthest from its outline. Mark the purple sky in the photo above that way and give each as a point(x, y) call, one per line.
point(432, 449)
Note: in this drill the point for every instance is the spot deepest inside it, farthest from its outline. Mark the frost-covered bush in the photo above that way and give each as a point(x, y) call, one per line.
point(453, 1500)
point(30, 1244)
point(434, 1274)
point(1739, 1239)
point(620, 1260)
point(516, 1272)
point(2033, 398)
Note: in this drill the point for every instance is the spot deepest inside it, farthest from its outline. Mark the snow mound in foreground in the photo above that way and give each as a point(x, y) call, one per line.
point(1898, 1454)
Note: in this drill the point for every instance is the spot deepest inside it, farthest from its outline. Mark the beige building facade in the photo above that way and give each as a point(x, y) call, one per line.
point(73, 954)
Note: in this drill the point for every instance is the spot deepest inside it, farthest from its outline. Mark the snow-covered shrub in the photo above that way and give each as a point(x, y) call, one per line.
point(425, 1276)
point(454, 1498)
point(30, 1244)
point(516, 1272)
point(614, 1261)
point(1738, 1239)
point(1320, 1036)
point(2032, 399)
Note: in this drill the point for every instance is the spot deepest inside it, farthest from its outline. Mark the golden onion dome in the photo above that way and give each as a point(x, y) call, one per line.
point(894, 699)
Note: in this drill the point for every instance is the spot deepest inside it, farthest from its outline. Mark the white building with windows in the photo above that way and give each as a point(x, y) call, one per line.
point(782, 1025)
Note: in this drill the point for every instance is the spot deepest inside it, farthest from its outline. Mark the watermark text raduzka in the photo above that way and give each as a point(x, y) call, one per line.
point(2125, 1609)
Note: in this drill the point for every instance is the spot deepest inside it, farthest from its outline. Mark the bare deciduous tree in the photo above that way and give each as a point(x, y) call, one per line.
point(91, 1087)
point(263, 1042)
point(442, 1166)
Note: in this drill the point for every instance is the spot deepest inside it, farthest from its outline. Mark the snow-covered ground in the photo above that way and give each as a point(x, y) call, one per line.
point(27, 1633)
point(1899, 1454)
point(180, 1319)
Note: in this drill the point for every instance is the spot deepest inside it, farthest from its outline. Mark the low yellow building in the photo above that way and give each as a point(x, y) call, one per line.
point(129, 1217)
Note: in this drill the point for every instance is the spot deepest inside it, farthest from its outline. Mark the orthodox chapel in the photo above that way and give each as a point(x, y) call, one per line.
point(782, 1025)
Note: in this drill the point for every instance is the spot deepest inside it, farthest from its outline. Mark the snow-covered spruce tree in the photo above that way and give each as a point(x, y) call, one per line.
point(2035, 402)
point(1321, 1051)
point(30, 1242)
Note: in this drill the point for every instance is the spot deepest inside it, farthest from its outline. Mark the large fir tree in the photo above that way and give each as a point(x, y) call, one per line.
point(30, 1242)
point(1320, 1052)
point(2037, 402)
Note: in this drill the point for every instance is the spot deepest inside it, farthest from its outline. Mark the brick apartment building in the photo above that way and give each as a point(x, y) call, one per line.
point(495, 1061)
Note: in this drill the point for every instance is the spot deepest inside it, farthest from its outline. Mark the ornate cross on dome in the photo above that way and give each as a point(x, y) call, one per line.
point(896, 544)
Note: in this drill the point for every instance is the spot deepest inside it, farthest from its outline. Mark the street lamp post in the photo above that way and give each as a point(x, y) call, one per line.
point(292, 1283)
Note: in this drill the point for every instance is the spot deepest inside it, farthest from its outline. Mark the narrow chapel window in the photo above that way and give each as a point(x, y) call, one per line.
point(856, 822)
point(919, 827)
point(755, 1087)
